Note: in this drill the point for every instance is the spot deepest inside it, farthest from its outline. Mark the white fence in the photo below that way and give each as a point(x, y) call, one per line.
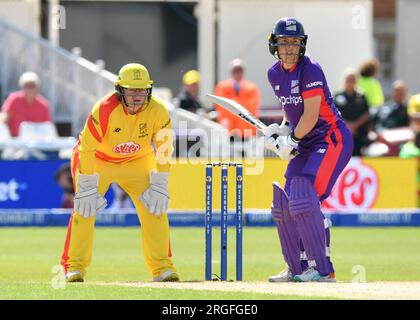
point(71, 84)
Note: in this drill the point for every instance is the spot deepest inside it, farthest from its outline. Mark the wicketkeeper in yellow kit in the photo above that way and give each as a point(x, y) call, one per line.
point(127, 139)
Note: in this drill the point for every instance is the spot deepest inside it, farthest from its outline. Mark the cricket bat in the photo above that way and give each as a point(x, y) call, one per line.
point(239, 110)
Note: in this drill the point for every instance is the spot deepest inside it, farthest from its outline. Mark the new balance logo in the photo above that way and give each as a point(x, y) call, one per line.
point(117, 129)
point(321, 150)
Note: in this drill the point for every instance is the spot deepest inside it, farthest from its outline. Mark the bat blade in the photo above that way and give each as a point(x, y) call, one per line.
point(237, 109)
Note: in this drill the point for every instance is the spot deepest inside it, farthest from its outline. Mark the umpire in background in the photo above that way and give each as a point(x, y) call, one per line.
point(355, 110)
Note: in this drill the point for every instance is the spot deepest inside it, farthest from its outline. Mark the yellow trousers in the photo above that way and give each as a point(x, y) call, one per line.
point(133, 178)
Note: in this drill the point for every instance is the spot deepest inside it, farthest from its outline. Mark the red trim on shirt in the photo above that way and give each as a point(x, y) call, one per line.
point(329, 162)
point(75, 161)
point(74, 167)
point(105, 109)
point(293, 68)
point(327, 114)
point(169, 250)
point(65, 255)
point(312, 93)
point(93, 130)
point(106, 157)
point(325, 111)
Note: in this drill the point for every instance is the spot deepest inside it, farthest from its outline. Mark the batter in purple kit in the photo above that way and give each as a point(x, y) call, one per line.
point(318, 145)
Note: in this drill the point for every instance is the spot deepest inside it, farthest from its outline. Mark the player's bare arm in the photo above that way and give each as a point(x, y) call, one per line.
point(309, 117)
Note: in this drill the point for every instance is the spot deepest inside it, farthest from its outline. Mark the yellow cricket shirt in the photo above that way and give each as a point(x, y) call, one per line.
point(111, 134)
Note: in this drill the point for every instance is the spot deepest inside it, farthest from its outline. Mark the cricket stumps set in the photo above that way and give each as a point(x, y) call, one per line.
point(223, 218)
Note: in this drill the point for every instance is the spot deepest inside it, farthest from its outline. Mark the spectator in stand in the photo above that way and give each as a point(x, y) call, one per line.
point(414, 111)
point(122, 199)
point(370, 86)
point(64, 180)
point(26, 104)
point(188, 98)
point(393, 114)
point(242, 91)
point(354, 109)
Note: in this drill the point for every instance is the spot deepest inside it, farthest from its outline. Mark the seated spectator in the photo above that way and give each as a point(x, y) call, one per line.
point(370, 86)
point(188, 98)
point(355, 110)
point(26, 104)
point(242, 91)
point(393, 114)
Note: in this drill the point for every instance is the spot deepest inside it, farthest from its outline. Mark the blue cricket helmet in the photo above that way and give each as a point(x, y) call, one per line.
point(287, 28)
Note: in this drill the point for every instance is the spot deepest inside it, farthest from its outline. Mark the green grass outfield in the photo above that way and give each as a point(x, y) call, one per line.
point(28, 255)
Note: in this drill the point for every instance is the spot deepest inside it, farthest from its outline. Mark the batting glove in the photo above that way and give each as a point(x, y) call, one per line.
point(284, 147)
point(87, 200)
point(156, 197)
point(274, 130)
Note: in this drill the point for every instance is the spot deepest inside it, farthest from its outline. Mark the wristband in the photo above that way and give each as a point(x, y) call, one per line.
point(293, 137)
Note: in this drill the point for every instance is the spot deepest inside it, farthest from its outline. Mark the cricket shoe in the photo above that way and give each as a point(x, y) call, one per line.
point(74, 276)
point(167, 276)
point(328, 278)
point(308, 275)
point(284, 276)
point(312, 275)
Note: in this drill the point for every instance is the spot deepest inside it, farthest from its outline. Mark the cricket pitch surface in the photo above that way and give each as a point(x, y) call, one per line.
point(339, 290)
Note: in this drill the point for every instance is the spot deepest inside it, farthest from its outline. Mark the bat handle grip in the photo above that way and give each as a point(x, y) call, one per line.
point(294, 152)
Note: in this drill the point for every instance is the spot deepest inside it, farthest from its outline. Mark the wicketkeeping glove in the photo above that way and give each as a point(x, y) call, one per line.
point(87, 200)
point(156, 197)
